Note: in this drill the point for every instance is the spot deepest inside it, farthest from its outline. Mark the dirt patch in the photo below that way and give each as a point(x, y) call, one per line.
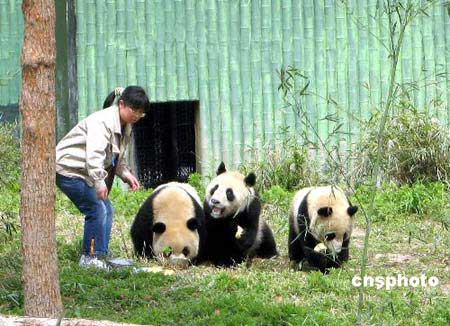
point(358, 238)
point(31, 321)
point(445, 289)
point(358, 233)
point(394, 259)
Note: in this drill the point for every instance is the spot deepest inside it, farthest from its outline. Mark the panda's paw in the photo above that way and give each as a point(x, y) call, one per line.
point(224, 263)
point(305, 266)
point(295, 265)
point(320, 248)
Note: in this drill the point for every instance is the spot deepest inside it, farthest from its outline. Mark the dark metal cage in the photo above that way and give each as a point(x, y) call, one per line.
point(165, 143)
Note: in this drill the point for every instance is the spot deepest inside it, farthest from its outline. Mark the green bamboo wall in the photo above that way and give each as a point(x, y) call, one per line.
point(225, 54)
point(11, 34)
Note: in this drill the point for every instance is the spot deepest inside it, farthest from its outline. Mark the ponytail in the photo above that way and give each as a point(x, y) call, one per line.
point(113, 97)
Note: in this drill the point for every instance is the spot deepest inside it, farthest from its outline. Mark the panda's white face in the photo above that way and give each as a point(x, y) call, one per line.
point(175, 234)
point(332, 236)
point(228, 194)
point(176, 240)
point(331, 216)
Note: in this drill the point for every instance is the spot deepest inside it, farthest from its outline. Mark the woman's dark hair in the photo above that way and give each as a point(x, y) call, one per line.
point(133, 96)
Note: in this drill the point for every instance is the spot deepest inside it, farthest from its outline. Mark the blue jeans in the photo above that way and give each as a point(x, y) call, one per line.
point(98, 213)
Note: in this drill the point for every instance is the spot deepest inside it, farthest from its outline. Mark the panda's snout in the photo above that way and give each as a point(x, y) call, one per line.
point(217, 208)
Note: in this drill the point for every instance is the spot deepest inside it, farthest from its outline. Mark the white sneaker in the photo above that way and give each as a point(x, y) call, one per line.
point(93, 261)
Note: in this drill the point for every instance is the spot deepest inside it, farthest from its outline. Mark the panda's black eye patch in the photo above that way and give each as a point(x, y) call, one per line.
point(159, 227)
point(192, 224)
point(325, 211)
point(230, 194)
point(330, 236)
point(211, 192)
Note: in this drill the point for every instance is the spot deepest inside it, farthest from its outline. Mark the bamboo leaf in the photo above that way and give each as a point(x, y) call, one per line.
point(304, 88)
point(426, 14)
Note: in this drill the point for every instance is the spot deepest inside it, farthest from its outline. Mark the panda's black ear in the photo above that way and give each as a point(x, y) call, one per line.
point(221, 169)
point(325, 211)
point(193, 224)
point(250, 179)
point(159, 227)
point(352, 210)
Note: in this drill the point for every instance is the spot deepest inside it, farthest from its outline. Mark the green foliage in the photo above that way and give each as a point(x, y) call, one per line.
point(287, 165)
point(277, 196)
point(422, 200)
point(9, 225)
point(196, 180)
point(9, 182)
point(9, 154)
point(414, 147)
point(63, 204)
point(127, 203)
point(9, 210)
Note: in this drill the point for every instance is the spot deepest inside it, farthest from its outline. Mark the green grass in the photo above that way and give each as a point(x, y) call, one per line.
point(406, 241)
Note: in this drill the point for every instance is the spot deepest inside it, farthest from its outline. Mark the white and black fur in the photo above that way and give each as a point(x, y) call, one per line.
point(231, 206)
point(320, 215)
point(171, 217)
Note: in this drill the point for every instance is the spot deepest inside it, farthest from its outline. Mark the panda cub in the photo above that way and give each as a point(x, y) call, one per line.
point(170, 223)
point(320, 216)
point(234, 230)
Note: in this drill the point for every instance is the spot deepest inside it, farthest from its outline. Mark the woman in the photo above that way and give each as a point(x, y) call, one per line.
point(84, 156)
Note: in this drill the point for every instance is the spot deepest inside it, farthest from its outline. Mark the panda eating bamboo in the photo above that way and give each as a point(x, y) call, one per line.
point(320, 227)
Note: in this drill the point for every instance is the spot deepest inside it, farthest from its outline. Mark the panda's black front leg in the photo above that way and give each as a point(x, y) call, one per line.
point(326, 261)
point(248, 221)
point(344, 254)
point(321, 261)
point(295, 245)
point(246, 240)
point(301, 243)
point(225, 262)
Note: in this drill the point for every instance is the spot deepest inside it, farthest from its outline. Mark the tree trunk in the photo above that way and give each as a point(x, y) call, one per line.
point(37, 207)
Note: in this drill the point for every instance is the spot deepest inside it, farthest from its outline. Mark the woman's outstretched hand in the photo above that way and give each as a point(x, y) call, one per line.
point(132, 181)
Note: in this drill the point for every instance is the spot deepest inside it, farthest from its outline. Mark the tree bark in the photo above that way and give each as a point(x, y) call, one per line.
point(37, 208)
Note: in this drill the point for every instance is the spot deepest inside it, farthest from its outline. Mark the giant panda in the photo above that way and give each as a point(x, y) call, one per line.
point(170, 223)
point(234, 230)
point(320, 216)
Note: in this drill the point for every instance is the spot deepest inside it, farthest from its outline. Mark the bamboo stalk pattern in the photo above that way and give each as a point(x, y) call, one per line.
point(226, 54)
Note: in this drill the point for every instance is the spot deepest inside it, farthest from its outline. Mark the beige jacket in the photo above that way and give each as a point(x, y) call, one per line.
point(88, 149)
